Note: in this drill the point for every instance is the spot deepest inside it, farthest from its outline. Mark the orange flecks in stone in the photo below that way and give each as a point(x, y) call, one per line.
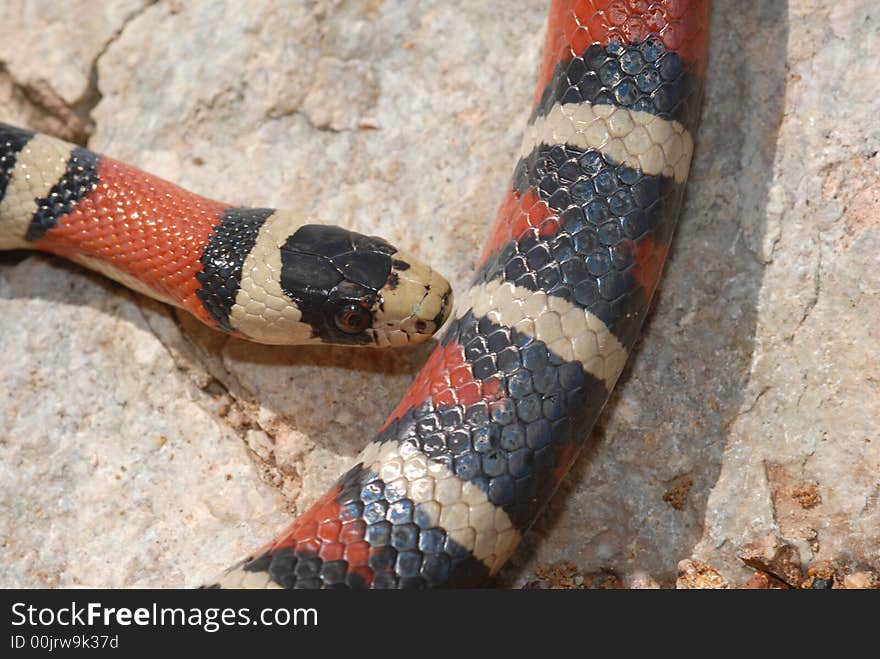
point(677, 494)
point(144, 227)
point(649, 258)
point(447, 380)
point(516, 215)
point(573, 25)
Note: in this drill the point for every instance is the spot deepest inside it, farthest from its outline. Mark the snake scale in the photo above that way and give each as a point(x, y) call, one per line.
point(444, 492)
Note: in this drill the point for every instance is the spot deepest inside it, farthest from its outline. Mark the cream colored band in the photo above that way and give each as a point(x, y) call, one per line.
point(569, 331)
point(457, 506)
point(262, 311)
point(38, 167)
point(638, 139)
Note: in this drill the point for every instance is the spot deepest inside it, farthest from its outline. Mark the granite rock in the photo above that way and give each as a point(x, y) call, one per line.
point(138, 448)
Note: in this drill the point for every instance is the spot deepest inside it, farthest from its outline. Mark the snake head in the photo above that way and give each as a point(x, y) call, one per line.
point(353, 289)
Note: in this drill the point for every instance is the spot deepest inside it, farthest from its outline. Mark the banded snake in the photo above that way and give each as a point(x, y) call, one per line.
point(444, 492)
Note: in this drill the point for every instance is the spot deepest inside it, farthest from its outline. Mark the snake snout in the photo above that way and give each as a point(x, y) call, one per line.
point(413, 304)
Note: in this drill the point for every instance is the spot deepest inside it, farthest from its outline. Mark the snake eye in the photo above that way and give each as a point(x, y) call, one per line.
point(353, 319)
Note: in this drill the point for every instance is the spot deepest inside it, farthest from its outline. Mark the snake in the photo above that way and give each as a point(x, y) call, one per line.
point(261, 274)
point(444, 492)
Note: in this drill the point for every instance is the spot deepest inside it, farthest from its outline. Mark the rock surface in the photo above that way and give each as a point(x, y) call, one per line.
point(139, 449)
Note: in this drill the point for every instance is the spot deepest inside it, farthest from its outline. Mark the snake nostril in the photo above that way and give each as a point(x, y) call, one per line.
point(421, 326)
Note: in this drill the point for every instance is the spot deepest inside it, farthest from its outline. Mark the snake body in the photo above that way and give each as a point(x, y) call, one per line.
point(445, 491)
point(494, 421)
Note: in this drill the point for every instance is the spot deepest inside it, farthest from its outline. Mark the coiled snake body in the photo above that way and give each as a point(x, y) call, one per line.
point(483, 437)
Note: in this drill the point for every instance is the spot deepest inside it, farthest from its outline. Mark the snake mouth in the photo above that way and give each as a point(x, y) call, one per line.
point(446, 304)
